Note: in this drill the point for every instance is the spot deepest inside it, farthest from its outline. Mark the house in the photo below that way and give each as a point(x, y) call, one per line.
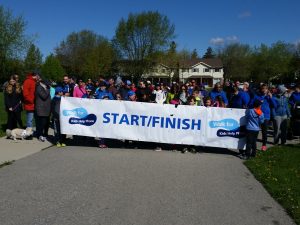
point(204, 71)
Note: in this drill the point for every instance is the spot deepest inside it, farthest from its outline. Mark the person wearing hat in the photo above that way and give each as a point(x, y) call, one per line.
point(89, 92)
point(281, 114)
point(132, 96)
point(254, 117)
point(59, 138)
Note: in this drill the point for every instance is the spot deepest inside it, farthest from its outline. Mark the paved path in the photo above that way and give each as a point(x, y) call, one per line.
point(14, 150)
point(81, 185)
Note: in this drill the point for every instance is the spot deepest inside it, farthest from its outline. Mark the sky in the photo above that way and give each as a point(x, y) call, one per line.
point(198, 24)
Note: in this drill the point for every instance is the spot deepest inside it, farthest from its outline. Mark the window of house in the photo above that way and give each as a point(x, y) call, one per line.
point(184, 70)
point(195, 70)
point(217, 70)
point(163, 70)
point(206, 69)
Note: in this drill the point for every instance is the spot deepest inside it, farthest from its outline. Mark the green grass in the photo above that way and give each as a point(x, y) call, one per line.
point(278, 169)
point(3, 116)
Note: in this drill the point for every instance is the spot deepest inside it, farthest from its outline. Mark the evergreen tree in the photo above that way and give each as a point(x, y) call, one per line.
point(194, 54)
point(209, 53)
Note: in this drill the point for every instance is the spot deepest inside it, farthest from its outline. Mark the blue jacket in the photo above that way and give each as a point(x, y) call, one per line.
point(239, 101)
point(253, 120)
point(102, 94)
point(295, 97)
point(213, 94)
point(282, 108)
point(267, 104)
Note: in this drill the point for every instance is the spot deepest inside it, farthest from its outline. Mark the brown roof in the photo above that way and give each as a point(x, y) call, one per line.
point(213, 63)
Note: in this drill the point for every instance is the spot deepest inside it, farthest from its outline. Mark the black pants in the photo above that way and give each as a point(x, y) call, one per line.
point(42, 126)
point(61, 138)
point(13, 118)
point(264, 130)
point(251, 143)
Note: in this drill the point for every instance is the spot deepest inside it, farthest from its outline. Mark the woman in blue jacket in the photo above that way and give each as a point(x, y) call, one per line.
point(281, 115)
point(268, 102)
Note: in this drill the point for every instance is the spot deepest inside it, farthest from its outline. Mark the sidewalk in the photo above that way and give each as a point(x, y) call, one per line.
point(14, 150)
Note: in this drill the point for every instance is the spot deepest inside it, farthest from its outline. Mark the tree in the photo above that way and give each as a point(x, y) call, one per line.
point(209, 53)
point(13, 41)
point(33, 59)
point(52, 68)
point(237, 61)
point(194, 54)
point(142, 35)
point(86, 54)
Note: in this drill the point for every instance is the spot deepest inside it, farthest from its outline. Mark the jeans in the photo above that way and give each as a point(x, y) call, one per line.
point(29, 118)
point(58, 137)
point(251, 143)
point(280, 129)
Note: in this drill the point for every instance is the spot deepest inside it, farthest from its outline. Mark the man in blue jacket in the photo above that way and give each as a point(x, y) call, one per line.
point(268, 102)
point(217, 91)
point(238, 99)
point(295, 97)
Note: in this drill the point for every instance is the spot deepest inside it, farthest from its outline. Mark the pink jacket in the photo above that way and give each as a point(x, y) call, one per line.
point(79, 91)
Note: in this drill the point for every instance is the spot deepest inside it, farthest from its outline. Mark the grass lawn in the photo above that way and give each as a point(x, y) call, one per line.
point(278, 169)
point(3, 116)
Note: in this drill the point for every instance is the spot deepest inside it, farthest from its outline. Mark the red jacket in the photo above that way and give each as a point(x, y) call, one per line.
point(28, 92)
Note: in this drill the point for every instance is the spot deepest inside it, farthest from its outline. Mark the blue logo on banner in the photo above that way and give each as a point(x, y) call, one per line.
point(231, 128)
point(77, 112)
point(228, 124)
point(80, 116)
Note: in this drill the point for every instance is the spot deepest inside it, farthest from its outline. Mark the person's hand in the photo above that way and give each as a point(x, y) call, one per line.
point(270, 94)
point(10, 109)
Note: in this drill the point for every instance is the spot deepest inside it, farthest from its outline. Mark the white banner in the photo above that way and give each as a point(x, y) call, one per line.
point(191, 125)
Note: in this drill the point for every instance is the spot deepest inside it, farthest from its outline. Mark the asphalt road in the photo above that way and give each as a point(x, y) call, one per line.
point(83, 186)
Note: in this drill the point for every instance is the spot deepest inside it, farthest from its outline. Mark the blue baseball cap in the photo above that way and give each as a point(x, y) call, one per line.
point(59, 89)
point(131, 93)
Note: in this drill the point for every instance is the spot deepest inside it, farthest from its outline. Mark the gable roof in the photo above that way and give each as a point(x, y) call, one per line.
point(213, 63)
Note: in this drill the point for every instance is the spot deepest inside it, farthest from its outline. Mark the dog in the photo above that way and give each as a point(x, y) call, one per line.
point(18, 133)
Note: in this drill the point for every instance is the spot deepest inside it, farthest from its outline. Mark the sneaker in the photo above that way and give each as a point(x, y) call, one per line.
point(185, 150)
point(244, 157)
point(42, 139)
point(58, 144)
point(264, 148)
point(63, 145)
point(158, 149)
point(193, 150)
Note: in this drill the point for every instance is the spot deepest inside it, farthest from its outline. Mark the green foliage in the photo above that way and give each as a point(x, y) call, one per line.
point(33, 59)
point(237, 61)
point(194, 54)
point(209, 54)
point(52, 68)
point(278, 170)
point(85, 54)
point(143, 35)
point(13, 41)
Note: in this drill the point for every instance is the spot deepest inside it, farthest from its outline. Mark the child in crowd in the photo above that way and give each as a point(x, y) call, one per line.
point(55, 108)
point(208, 102)
point(255, 117)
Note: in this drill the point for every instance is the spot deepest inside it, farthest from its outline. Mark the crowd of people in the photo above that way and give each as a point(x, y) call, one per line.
point(41, 99)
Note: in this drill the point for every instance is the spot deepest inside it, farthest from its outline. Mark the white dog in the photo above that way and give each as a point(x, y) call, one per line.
point(18, 133)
